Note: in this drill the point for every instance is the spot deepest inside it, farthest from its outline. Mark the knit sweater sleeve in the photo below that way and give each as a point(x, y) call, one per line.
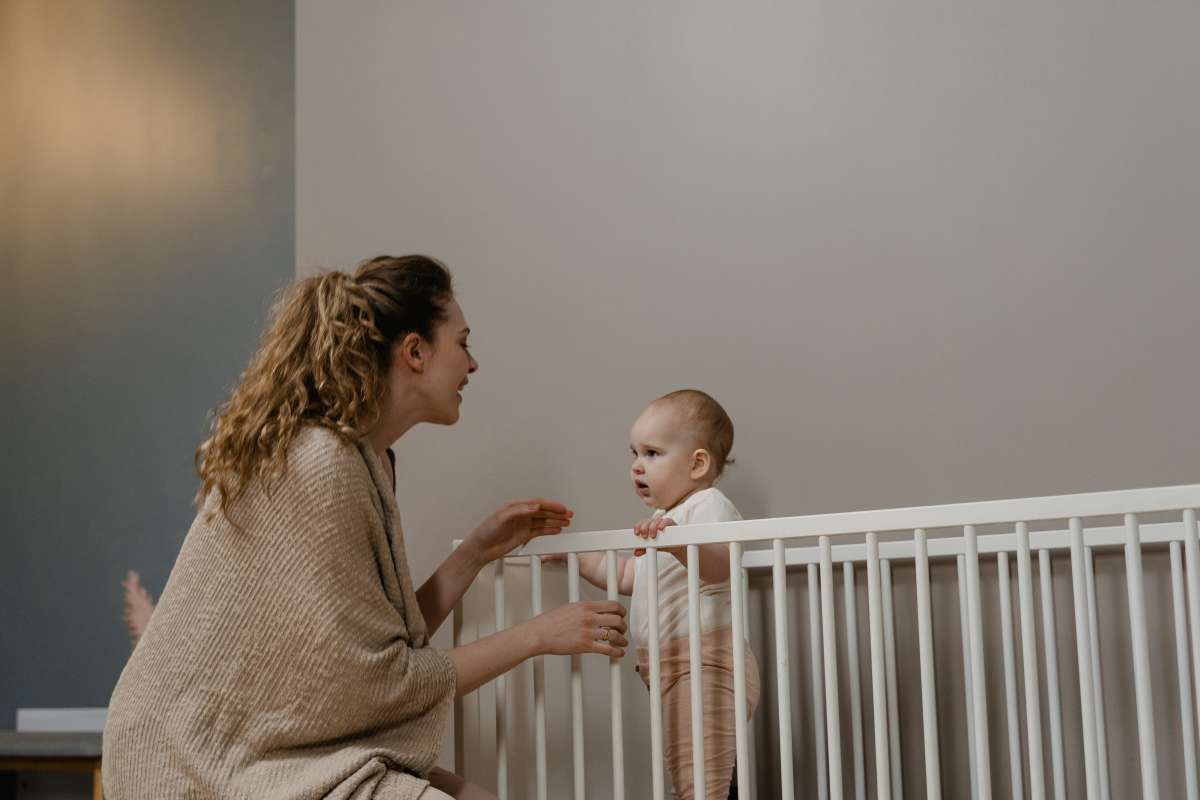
point(363, 671)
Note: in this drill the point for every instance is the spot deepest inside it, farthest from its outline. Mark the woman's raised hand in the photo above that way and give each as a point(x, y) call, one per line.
point(515, 523)
point(583, 627)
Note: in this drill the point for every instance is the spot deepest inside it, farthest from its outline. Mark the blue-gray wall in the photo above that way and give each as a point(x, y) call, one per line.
point(146, 187)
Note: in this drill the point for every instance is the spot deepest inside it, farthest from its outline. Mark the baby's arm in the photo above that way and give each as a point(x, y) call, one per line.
point(594, 569)
point(714, 558)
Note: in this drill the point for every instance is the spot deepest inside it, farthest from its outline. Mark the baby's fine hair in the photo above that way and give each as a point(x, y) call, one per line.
point(711, 425)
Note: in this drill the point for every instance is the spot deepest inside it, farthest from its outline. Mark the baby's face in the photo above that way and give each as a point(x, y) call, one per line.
point(662, 457)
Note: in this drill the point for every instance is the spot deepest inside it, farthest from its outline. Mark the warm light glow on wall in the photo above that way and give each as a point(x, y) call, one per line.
point(98, 104)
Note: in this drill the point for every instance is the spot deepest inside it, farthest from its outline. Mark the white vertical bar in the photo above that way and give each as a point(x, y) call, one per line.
point(654, 657)
point(576, 686)
point(501, 694)
point(829, 646)
point(978, 666)
point(856, 724)
point(1033, 711)
point(1097, 674)
point(1191, 550)
point(1184, 670)
point(782, 672)
point(889, 645)
point(964, 624)
point(1141, 658)
point(1083, 650)
point(460, 726)
point(1010, 678)
point(818, 695)
point(1050, 647)
point(614, 674)
point(749, 733)
point(539, 685)
point(693, 570)
point(737, 598)
point(933, 769)
point(883, 775)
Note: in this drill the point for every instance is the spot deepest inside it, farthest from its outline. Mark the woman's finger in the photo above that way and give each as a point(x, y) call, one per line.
point(543, 504)
point(611, 621)
point(604, 607)
point(608, 649)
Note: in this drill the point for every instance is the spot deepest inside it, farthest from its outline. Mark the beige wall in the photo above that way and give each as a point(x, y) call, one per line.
point(923, 253)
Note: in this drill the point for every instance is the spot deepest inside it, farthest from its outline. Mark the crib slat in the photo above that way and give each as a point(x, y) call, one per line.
point(750, 732)
point(460, 720)
point(818, 694)
point(829, 646)
point(576, 686)
point(693, 569)
point(501, 694)
point(1083, 649)
point(737, 599)
point(933, 771)
point(856, 722)
point(978, 666)
point(1097, 676)
point(1184, 670)
point(883, 775)
point(654, 657)
point(1191, 549)
point(1050, 648)
point(539, 684)
point(1010, 678)
point(614, 673)
point(1033, 711)
point(964, 624)
point(783, 671)
point(889, 645)
point(1141, 658)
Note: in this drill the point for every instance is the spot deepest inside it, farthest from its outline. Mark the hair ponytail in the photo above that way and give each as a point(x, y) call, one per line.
point(324, 360)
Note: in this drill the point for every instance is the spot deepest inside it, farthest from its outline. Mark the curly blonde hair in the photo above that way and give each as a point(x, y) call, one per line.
point(323, 360)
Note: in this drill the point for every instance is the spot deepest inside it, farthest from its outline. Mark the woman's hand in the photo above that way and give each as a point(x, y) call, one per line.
point(650, 529)
point(584, 627)
point(514, 524)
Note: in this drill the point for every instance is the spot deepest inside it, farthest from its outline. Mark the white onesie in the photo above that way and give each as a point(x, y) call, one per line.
point(707, 505)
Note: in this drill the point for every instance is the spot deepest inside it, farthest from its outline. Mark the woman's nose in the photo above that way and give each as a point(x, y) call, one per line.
point(474, 365)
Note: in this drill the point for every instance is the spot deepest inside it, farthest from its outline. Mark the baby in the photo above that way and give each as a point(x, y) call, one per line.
point(680, 445)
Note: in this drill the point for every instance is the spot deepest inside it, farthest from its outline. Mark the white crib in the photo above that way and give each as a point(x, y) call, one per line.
point(837, 761)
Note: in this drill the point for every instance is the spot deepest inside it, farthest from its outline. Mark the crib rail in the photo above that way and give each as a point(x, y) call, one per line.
point(1081, 524)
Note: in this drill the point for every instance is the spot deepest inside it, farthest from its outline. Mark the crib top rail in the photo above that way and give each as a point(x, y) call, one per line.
point(988, 512)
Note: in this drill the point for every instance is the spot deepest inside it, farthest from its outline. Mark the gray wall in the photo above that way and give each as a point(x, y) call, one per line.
point(147, 182)
point(923, 252)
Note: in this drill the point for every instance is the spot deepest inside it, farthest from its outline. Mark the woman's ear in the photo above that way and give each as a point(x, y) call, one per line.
point(412, 351)
point(701, 462)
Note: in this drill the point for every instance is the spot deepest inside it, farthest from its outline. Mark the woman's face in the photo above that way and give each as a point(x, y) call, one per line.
point(449, 364)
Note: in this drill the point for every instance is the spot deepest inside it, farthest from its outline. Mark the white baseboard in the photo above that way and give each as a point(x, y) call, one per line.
point(61, 720)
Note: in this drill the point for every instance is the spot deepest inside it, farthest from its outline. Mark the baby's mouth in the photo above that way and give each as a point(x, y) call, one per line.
point(641, 486)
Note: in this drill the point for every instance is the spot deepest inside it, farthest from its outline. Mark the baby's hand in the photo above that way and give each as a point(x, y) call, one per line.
point(650, 529)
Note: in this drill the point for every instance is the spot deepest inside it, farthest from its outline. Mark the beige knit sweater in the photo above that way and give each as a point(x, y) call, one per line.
point(287, 659)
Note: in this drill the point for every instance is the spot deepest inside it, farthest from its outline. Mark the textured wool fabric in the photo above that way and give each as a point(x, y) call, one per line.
point(287, 657)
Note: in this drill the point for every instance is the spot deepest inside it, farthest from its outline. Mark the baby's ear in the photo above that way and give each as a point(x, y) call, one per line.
point(701, 464)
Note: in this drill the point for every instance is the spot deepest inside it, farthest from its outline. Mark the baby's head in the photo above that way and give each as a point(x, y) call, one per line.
point(680, 445)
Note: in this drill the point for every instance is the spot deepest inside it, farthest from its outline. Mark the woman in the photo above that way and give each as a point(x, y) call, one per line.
point(289, 654)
